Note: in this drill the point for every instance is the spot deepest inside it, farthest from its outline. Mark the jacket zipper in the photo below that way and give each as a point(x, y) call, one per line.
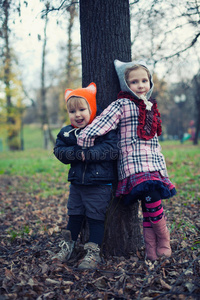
point(83, 178)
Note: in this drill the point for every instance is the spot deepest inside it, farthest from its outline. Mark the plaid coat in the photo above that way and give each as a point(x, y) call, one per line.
point(135, 155)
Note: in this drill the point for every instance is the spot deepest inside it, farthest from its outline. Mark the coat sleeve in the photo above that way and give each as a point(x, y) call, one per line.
point(104, 149)
point(65, 151)
point(107, 121)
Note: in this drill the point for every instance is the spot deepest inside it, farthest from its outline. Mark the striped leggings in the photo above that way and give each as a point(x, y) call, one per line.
point(152, 208)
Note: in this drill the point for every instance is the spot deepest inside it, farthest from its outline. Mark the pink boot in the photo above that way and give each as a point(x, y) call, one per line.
point(150, 243)
point(163, 238)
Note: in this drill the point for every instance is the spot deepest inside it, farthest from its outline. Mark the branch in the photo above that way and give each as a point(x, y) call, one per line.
point(58, 8)
point(183, 50)
point(136, 1)
point(27, 95)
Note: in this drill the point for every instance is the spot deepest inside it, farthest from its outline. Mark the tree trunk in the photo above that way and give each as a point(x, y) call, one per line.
point(13, 131)
point(197, 131)
point(47, 134)
point(197, 103)
point(122, 230)
point(69, 64)
point(105, 36)
point(44, 116)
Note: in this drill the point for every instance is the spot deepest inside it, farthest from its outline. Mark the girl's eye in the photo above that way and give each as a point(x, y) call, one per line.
point(72, 111)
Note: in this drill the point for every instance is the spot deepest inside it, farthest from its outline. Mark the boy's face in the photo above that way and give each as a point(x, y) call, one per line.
point(80, 115)
point(138, 81)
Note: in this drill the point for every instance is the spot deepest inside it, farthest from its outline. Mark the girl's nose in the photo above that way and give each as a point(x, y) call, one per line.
point(140, 84)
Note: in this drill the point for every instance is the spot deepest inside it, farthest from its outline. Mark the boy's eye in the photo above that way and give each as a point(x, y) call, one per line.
point(72, 111)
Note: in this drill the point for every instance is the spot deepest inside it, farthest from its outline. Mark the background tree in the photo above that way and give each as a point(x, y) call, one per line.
point(168, 35)
point(50, 104)
point(196, 89)
point(47, 134)
point(70, 76)
point(13, 105)
point(70, 60)
point(161, 94)
point(105, 36)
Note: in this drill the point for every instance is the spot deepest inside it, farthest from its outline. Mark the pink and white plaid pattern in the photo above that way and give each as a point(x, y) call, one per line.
point(135, 155)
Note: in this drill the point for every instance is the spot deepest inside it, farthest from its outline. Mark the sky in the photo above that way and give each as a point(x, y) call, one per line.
point(27, 46)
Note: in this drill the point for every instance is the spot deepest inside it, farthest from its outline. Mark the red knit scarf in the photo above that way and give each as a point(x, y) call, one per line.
point(149, 120)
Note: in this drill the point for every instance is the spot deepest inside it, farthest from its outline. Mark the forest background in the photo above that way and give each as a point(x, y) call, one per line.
point(41, 57)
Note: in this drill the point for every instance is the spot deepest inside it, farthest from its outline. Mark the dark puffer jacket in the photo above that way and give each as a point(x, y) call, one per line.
point(100, 165)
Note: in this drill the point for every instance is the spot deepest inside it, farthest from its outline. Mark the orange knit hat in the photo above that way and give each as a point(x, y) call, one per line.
point(89, 94)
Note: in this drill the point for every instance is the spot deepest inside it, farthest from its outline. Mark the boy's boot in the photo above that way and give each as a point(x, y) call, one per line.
point(163, 238)
point(150, 243)
point(92, 258)
point(67, 247)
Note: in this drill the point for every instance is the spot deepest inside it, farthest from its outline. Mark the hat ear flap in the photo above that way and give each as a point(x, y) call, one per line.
point(92, 88)
point(67, 93)
point(118, 63)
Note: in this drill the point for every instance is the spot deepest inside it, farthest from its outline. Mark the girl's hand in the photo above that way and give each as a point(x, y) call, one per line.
point(83, 156)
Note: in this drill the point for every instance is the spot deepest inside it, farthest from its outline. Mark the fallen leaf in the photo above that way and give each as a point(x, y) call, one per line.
point(165, 285)
point(52, 281)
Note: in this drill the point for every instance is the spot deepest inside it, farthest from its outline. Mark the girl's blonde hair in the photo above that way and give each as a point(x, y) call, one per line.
point(135, 67)
point(74, 102)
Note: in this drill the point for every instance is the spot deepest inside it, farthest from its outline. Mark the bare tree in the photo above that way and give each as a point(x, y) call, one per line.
point(13, 135)
point(196, 87)
point(165, 29)
point(68, 73)
point(69, 64)
point(168, 35)
point(47, 134)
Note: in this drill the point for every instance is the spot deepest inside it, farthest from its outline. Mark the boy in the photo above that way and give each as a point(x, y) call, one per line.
point(91, 175)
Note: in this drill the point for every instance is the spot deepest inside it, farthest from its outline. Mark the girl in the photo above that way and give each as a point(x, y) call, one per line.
point(141, 167)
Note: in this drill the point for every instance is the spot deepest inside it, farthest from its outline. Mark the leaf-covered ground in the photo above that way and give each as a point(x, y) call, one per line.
point(30, 230)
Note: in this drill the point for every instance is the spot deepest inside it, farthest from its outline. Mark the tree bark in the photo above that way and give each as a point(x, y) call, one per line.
point(122, 230)
point(13, 131)
point(105, 36)
point(69, 64)
point(197, 102)
point(47, 134)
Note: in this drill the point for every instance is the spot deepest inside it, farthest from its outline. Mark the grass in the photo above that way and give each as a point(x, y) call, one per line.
point(183, 162)
point(32, 135)
point(28, 162)
point(41, 172)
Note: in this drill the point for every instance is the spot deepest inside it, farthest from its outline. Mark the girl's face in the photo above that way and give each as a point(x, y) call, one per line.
point(138, 81)
point(79, 115)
